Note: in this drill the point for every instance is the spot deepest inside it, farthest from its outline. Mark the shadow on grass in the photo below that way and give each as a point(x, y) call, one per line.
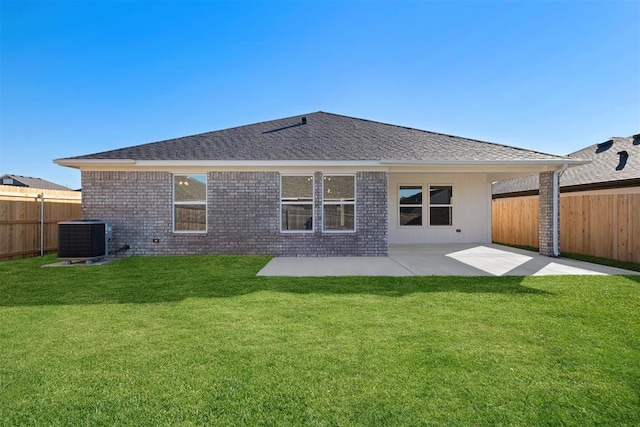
point(170, 279)
point(635, 278)
point(586, 258)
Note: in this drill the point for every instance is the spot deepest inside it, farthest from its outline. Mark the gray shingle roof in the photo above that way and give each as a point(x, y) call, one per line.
point(325, 136)
point(28, 181)
point(607, 166)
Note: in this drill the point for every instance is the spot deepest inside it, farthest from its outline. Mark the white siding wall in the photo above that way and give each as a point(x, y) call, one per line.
point(471, 209)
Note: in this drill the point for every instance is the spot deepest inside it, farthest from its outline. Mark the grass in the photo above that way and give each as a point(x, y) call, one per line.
point(587, 258)
point(202, 340)
point(603, 261)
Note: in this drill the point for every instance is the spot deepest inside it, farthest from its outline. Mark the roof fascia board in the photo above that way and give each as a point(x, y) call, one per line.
point(80, 163)
point(77, 163)
point(550, 162)
point(492, 171)
point(504, 171)
point(203, 169)
point(259, 163)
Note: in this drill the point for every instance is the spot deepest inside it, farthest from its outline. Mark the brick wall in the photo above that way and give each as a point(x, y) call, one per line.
point(243, 215)
point(545, 214)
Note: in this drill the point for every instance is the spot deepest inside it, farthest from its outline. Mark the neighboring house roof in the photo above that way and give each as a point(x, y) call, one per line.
point(188, 188)
point(615, 163)
point(27, 181)
point(319, 136)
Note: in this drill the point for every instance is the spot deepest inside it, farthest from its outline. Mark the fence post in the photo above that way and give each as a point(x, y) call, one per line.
point(41, 195)
point(26, 214)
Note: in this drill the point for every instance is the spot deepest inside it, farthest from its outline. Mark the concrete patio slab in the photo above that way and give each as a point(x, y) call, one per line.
point(439, 260)
point(334, 266)
point(554, 268)
point(491, 260)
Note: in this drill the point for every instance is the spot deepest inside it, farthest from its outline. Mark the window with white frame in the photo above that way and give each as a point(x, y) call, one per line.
point(410, 205)
point(296, 203)
point(440, 205)
point(338, 203)
point(190, 203)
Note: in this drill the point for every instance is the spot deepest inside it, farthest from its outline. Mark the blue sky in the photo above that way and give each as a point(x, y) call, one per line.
point(84, 77)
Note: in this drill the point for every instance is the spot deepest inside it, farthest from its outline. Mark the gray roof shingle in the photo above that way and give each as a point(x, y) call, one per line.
point(325, 136)
point(28, 181)
point(607, 166)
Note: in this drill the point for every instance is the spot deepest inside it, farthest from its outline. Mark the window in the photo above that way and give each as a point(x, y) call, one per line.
point(440, 206)
point(338, 202)
point(296, 203)
point(410, 205)
point(190, 203)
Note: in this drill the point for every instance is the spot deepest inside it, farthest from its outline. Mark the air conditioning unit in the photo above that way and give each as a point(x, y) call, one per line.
point(83, 240)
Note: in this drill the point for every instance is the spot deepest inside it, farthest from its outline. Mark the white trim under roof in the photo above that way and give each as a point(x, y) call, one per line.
point(555, 162)
point(77, 163)
point(359, 164)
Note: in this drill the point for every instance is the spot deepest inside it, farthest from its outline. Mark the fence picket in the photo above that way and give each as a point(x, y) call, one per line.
point(603, 225)
point(20, 219)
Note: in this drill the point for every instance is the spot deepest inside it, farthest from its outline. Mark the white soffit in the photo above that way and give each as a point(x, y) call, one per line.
point(383, 165)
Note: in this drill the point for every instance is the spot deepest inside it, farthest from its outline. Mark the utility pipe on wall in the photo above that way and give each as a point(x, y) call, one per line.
point(556, 208)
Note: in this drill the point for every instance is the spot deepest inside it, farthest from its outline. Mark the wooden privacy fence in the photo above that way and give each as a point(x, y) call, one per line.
point(29, 218)
point(603, 225)
point(514, 221)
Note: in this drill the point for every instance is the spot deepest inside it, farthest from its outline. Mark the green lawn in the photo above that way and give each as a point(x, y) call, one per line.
point(203, 341)
point(586, 258)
